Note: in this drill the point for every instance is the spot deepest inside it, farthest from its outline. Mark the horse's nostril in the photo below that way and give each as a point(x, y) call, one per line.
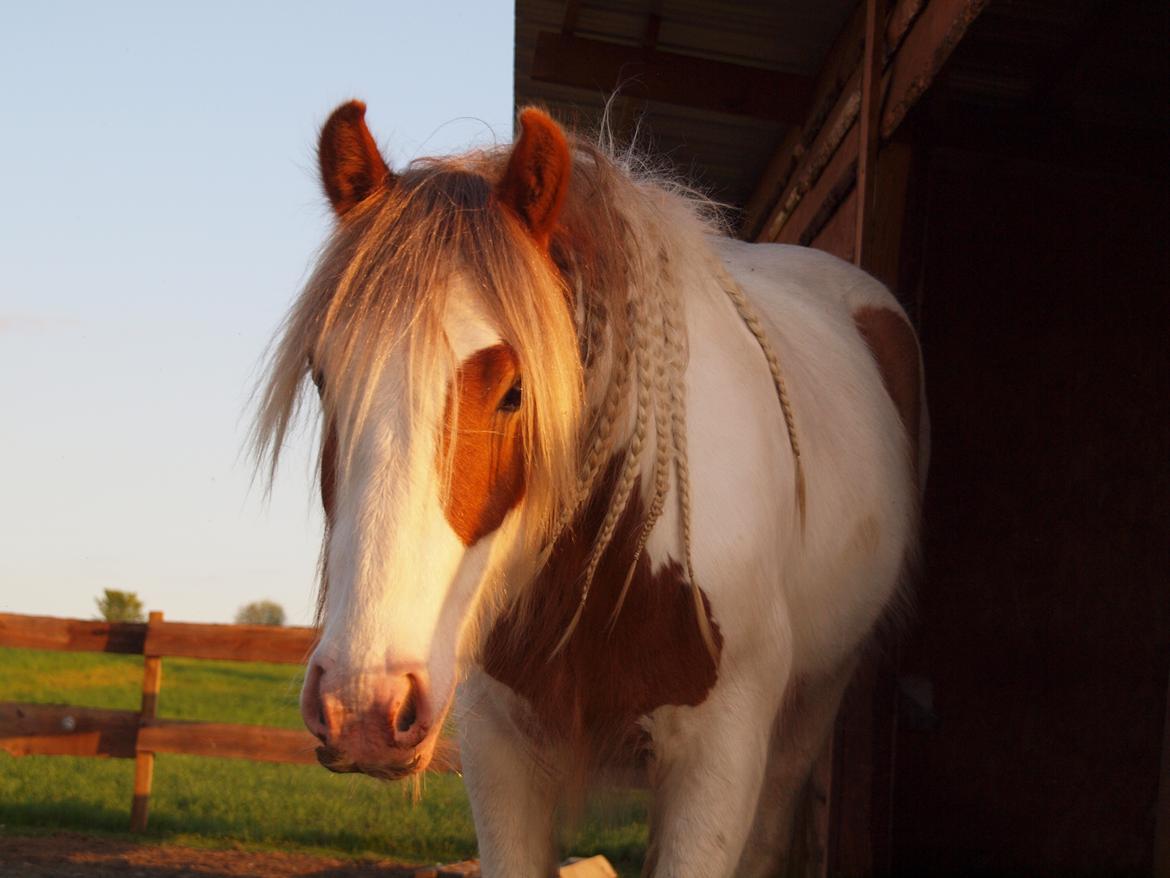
point(313, 705)
point(408, 713)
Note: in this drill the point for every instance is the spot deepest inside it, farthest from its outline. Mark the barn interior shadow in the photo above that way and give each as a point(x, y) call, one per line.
point(1043, 624)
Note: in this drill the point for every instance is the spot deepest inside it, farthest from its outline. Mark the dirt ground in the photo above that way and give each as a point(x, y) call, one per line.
point(70, 855)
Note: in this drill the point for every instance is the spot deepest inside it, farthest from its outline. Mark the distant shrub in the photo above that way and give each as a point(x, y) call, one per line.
point(261, 613)
point(120, 606)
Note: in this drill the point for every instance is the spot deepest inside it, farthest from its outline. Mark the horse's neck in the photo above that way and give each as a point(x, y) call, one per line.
point(649, 419)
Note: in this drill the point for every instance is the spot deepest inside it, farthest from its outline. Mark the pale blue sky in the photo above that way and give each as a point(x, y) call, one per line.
point(159, 209)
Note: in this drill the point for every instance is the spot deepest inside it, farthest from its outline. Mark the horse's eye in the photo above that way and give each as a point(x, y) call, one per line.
point(511, 400)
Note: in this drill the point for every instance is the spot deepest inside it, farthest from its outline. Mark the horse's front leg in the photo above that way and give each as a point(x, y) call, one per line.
point(708, 768)
point(510, 780)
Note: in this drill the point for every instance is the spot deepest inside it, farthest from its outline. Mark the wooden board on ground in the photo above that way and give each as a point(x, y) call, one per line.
point(592, 867)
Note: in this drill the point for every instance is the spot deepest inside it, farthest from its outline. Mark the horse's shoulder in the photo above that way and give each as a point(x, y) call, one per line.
point(861, 303)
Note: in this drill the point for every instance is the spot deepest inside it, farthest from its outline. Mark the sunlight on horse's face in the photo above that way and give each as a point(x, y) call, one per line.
point(407, 554)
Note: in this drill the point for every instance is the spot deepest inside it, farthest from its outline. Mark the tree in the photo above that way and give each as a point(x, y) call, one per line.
point(120, 606)
point(261, 613)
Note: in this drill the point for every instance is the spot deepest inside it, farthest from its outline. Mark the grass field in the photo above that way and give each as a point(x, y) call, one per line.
point(205, 801)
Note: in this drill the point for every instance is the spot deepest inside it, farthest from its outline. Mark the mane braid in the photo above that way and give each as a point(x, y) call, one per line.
point(656, 343)
point(666, 229)
point(748, 314)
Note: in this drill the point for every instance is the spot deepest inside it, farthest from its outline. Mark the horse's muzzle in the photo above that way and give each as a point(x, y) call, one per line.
point(336, 762)
point(378, 723)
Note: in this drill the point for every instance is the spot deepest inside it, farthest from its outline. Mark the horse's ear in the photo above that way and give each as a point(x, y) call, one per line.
point(537, 177)
point(351, 166)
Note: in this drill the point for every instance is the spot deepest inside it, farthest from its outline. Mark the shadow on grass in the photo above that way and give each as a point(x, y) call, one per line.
point(64, 814)
point(212, 802)
point(87, 855)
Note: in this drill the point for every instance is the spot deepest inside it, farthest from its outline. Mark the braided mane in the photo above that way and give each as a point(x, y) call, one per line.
point(641, 240)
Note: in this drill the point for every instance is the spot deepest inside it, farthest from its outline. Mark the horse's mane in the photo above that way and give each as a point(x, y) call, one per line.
point(605, 376)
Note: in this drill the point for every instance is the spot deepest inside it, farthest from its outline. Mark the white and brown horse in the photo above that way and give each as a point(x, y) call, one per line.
point(602, 477)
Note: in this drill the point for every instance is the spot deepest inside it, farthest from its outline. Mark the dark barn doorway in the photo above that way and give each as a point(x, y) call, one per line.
point(1043, 624)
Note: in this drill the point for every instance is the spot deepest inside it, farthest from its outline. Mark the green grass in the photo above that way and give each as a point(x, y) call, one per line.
point(204, 801)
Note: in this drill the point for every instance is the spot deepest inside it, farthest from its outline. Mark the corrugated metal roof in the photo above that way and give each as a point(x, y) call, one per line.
point(722, 153)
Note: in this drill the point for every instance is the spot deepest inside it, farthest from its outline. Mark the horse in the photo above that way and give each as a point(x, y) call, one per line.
point(620, 489)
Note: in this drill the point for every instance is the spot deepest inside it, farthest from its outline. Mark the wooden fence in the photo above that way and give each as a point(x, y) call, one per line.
point(63, 730)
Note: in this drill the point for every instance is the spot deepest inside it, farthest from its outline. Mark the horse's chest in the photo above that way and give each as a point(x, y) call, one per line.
point(612, 670)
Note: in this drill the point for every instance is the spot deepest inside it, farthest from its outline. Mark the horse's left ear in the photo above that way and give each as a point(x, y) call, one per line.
point(537, 177)
point(352, 168)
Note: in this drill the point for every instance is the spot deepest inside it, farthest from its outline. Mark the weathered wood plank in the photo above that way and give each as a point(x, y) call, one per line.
point(813, 202)
point(837, 235)
point(836, 69)
point(891, 192)
point(178, 639)
point(670, 77)
point(71, 635)
point(229, 741)
point(919, 41)
point(817, 157)
point(926, 48)
point(839, 77)
point(1162, 818)
point(569, 22)
point(144, 759)
point(64, 730)
point(867, 130)
point(242, 643)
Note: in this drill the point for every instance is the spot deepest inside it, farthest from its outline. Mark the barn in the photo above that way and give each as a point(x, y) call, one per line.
point(1003, 166)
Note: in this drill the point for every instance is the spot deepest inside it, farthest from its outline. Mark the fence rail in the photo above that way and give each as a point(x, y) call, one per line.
point(65, 730)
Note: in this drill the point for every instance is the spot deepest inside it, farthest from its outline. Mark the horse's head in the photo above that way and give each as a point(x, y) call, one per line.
point(439, 335)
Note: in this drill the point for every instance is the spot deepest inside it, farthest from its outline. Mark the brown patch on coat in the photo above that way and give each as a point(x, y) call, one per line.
point(537, 177)
point(591, 693)
point(895, 348)
point(487, 461)
point(867, 535)
point(352, 168)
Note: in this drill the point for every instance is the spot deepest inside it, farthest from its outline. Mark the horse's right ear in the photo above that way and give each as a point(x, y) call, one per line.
point(351, 166)
point(537, 175)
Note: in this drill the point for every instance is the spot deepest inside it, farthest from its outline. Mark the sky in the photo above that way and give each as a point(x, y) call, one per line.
point(159, 211)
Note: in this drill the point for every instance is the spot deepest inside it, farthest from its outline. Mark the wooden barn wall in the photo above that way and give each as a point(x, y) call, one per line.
point(1042, 625)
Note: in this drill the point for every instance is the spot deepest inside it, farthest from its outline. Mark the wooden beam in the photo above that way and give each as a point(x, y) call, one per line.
point(1162, 818)
point(653, 25)
point(670, 77)
point(836, 69)
point(825, 153)
point(836, 235)
point(838, 77)
point(827, 217)
point(144, 757)
point(248, 643)
point(72, 635)
point(927, 47)
point(64, 730)
point(771, 184)
point(569, 22)
point(241, 643)
point(229, 741)
point(867, 131)
point(918, 44)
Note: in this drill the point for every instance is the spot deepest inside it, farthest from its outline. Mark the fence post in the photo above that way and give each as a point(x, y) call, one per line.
point(144, 759)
